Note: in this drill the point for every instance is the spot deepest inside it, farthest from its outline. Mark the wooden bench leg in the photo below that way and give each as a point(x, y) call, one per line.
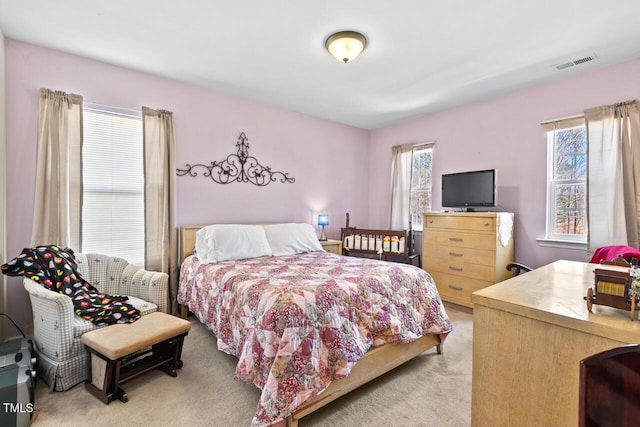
point(171, 350)
point(121, 395)
point(100, 381)
point(118, 392)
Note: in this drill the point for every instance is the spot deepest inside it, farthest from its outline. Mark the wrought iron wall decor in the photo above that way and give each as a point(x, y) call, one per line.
point(239, 167)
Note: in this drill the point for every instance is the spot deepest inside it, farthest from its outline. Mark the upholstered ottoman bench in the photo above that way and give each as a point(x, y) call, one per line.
point(118, 353)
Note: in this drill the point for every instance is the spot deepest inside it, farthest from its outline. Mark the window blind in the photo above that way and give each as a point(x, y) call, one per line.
point(113, 184)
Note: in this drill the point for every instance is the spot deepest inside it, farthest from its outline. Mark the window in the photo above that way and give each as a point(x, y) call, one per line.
point(113, 184)
point(566, 180)
point(420, 198)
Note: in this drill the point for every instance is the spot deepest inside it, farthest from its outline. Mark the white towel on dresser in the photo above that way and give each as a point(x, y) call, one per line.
point(505, 219)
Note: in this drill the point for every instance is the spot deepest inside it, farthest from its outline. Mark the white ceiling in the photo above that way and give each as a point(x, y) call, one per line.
point(423, 56)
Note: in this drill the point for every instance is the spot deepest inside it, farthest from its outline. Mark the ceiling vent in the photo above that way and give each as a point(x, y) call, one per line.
point(576, 62)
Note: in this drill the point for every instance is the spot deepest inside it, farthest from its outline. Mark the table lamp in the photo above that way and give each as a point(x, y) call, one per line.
point(323, 219)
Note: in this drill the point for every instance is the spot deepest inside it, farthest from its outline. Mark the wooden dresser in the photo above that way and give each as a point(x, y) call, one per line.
point(466, 251)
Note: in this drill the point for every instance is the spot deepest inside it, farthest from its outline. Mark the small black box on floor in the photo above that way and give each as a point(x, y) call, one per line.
point(16, 396)
point(18, 351)
point(17, 382)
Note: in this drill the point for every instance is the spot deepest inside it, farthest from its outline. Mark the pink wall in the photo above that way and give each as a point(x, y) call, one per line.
point(337, 168)
point(503, 133)
point(319, 154)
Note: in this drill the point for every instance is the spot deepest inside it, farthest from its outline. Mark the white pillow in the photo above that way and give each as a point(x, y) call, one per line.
point(223, 242)
point(291, 239)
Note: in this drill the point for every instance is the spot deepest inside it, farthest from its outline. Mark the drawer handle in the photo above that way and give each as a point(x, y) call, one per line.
point(455, 254)
point(456, 239)
point(455, 288)
point(455, 268)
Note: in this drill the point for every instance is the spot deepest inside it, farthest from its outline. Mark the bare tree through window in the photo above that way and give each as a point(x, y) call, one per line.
point(569, 181)
point(420, 198)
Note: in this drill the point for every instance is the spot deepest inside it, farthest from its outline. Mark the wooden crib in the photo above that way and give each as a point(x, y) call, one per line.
point(387, 245)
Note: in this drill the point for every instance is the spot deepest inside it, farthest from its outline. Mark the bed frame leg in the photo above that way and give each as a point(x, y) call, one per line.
point(184, 311)
point(439, 348)
point(292, 422)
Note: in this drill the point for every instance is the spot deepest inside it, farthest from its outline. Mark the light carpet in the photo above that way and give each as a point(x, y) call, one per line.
point(432, 389)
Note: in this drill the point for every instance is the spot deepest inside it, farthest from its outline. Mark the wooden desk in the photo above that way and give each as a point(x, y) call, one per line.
point(529, 335)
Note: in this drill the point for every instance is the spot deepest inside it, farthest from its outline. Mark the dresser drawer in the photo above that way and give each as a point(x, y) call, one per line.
point(333, 246)
point(459, 254)
point(458, 222)
point(463, 269)
point(457, 289)
point(459, 239)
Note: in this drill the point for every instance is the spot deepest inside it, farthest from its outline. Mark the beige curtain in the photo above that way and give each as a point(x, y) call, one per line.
point(613, 181)
point(161, 248)
point(400, 186)
point(58, 193)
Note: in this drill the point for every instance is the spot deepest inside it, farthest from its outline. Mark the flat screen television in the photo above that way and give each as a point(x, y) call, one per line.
point(469, 190)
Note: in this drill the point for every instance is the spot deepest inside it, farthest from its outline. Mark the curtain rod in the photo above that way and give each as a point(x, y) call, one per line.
point(113, 110)
point(577, 116)
point(423, 144)
point(416, 145)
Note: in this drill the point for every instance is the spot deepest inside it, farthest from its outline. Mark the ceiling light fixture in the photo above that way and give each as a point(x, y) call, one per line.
point(345, 46)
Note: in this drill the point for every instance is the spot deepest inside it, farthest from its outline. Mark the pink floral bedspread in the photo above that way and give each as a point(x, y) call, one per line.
point(297, 322)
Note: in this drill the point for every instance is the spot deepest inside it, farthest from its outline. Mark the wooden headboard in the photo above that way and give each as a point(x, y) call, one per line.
point(187, 240)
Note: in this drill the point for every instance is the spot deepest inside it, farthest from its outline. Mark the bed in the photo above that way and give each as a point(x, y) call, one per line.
point(311, 326)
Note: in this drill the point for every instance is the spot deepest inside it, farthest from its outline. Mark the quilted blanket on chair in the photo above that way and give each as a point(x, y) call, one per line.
point(56, 269)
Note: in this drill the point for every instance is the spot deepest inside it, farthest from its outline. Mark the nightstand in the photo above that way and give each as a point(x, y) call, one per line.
point(333, 246)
